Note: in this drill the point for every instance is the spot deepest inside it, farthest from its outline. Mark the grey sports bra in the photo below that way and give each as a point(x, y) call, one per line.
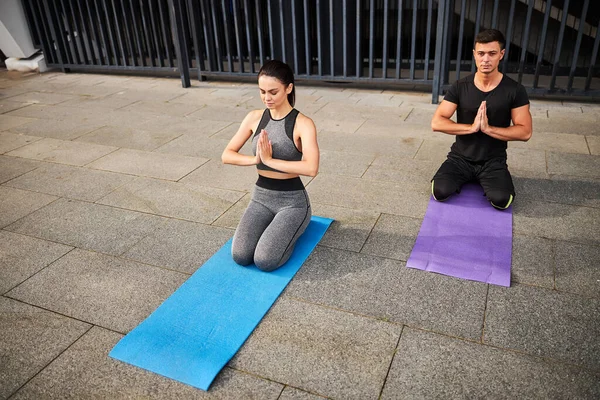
point(281, 135)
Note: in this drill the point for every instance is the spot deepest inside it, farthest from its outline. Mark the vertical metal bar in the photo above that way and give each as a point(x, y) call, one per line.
point(156, 35)
point(384, 60)
point(495, 13)
point(271, 35)
point(413, 40)
point(259, 25)
point(110, 34)
point(461, 32)
point(238, 42)
point(63, 27)
point(215, 31)
point(177, 30)
point(294, 36)
point(249, 37)
point(307, 40)
point(165, 34)
point(191, 10)
point(428, 39)
point(128, 36)
point(282, 30)
point(78, 34)
point(100, 42)
point(437, 65)
point(358, 39)
point(138, 38)
point(226, 32)
point(319, 47)
point(540, 56)
point(561, 34)
point(46, 46)
point(586, 3)
point(588, 80)
point(331, 42)
point(59, 50)
point(511, 17)
point(371, 35)
point(147, 35)
point(477, 24)
point(344, 37)
point(399, 40)
point(525, 40)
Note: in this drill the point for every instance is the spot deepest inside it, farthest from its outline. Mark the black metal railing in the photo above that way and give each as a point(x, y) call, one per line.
point(552, 45)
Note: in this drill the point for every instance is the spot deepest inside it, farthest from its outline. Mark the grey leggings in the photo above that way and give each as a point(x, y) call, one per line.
point(271, 225)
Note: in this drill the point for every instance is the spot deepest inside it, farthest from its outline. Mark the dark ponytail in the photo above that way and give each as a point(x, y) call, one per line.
point(283, 73)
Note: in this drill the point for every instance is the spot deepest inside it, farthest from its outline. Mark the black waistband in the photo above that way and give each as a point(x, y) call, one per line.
point(282, 185)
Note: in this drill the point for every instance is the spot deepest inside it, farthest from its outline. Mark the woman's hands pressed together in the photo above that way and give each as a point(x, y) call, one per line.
point(264, 148)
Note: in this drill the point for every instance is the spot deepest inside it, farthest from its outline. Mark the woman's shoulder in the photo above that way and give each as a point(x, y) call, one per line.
point(304, 120)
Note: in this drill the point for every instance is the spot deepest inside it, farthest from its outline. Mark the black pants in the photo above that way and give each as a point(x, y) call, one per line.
point(492, 174)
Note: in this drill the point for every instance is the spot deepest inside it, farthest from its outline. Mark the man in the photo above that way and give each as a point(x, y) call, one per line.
point(485, 102)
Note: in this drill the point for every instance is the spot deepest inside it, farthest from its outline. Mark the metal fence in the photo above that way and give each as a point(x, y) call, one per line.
point(551, 47)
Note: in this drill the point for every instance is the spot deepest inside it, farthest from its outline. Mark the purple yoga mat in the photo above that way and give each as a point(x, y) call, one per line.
point(465, 237)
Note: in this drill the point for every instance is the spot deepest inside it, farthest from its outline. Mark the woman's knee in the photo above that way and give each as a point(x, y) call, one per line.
point(442, 189)
point(267, 262)
point(242, 256)
point(500, 199)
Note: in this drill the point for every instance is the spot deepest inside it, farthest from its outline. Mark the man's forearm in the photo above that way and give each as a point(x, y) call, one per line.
point(515, 132)
point(450, 127)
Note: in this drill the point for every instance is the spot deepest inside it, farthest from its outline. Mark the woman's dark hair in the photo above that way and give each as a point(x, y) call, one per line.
point(489, 36)
point(283, 73)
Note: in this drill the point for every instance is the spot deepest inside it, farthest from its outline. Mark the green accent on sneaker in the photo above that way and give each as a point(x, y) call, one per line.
point(505, 207)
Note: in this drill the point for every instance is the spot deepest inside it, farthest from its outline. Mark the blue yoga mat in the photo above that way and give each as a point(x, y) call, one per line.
point(196, 331)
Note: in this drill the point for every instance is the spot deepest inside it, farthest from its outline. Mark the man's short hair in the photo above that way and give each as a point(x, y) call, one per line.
point(489, 36)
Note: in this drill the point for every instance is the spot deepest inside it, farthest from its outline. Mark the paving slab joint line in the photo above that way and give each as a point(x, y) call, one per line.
point(370, 233)
point(37, 209)
point(192, 171)
point(396, 349)
point(50, 362)
point(487, 293)
point(37, 272)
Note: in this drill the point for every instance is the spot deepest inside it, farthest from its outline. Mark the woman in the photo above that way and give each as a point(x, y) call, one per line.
point(284, 144)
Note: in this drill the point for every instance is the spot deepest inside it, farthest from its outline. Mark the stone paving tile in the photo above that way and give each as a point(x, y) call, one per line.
point(201, 129)
point(22, 256)
point(414, 174)
point(584, 126)
point(290, 393)
point(57, 112)
point(375, 145)
point(152, 165)
point(162, 107)
point(70, 182)
point(561, 142)
point(86, 371)
point(62, 151)
point(577, 268)
point(544, 323)
point(385, 100)
point(350, 228)
point(31, 338)
point(8, 90)
point(386, 289)
point(65, 129)
point(11, 121)
point(8, 105)
point(594, 144)
point(12, 167)
point(196, 146)
point(216, 174)
point(337, 124)
point(42, 98)
point(556, 221)
point(358, 111)
point(104, 102)
point(131, 138)
point(89, 226)
point(227, 132)
point(574, 164)
point(393, 126)
point(172, 199)
point(421, 117)
point(222, 113)
point(559, 189)
point(530, 160)
point(393, 237)
point(533, 261)
point(16, 203)
point(344, 163)
point(429, 366)
point(231, 218)
point(323, 351)
point(180, 245)
point(122, 295)
point(434, 150)
point(362, 194)
point(85, 92)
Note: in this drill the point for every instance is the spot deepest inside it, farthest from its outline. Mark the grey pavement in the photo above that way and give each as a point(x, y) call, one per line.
point(112, 194)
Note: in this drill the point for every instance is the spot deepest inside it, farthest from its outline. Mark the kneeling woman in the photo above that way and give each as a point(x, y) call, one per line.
point(284, 144)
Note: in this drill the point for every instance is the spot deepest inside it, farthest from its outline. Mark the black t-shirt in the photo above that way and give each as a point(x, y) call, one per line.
point(478, 146)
